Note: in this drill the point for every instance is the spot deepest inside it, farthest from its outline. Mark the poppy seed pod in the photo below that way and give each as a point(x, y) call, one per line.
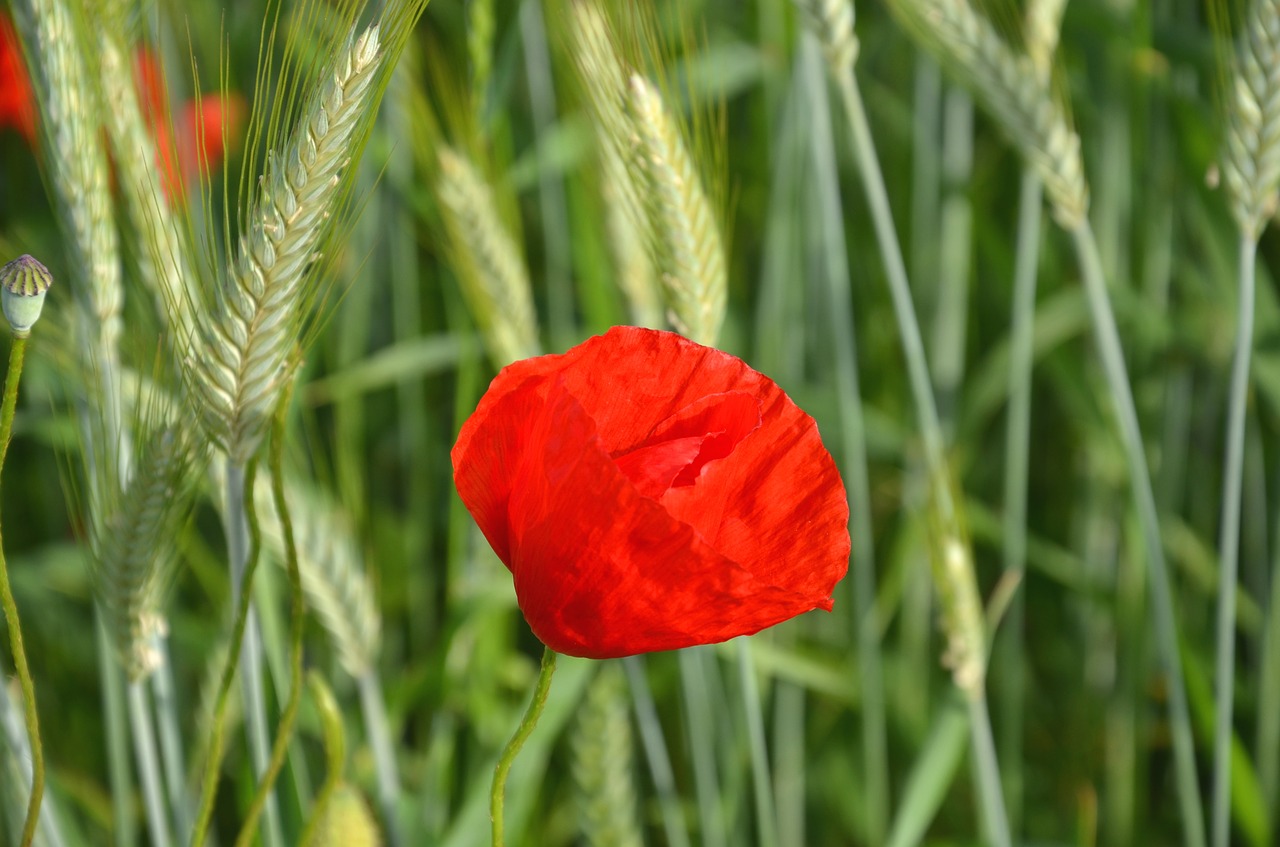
point(23, 283)
point(649, 493)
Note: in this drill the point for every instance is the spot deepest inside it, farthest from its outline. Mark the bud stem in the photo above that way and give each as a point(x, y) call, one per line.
point(17, 353)
point(517, 741)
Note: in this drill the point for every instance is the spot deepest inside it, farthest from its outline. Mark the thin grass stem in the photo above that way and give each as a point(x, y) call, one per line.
point(384, 760)
point(171, 756)
point(984, 751)
point(250, 655)
point(989, 787)
point(655, 752)
point(17, 353)
point(144, 745)
point(523, 731)
point(1010, 652)
point(217, 739)
point(116, 727)
point(875, 753)
point(1229, 545)
point(698, 716)
point(1108, 340)
point(766, 815)
point(289, 716)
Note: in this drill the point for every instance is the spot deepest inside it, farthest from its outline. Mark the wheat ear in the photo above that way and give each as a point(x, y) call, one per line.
point(245, 354)
point(1252, 167)
point(487, 261)
point(132, 541)
point(604, 81)
point(832, 22)
point(1013, 90)
point(602, 764)
point(163, 258)
point(686, 243)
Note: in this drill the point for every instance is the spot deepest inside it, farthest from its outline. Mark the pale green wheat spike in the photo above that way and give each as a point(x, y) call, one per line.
point(333, 574)
point(133, 527)
point(604, 81)
point(1013, 91)
point(76, 160)
point(246, 353)
point(686, 243)
point(832, 22)
point(602, 764)
point(487, 261)
point(1043, 28)
point(163, 261)
point(1252, 167)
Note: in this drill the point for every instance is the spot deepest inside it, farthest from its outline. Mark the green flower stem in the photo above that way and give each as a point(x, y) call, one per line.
point(17, 353)
point(217, 740)
point(115, 723)
point(990, 791)
point(1108, 340)
point(1229, 545)
point(288, 718)
point(530, 720)
point(144, 745)
point(239, 520)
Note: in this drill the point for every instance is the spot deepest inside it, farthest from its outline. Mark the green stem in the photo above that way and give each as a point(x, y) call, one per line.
point(1011, 659)
point(766, 816)
point(655, 752)
point(384, 760)
point(990, 789)
point(144, 746)
point(530, 720)
point(900, 291)
point(175, 769)
point(119, 776)
point(1108, 340)
point(699, 717)
point(875, 751)
point(17, 353)
point(1229, 546)
point(241, 521)
point(984, 750)
point(284, 731)
point(217, 740)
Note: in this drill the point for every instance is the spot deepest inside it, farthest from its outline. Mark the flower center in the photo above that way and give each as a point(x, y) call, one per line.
point(677, 450)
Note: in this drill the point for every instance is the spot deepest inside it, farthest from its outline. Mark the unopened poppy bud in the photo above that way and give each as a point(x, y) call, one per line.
point(23, 283)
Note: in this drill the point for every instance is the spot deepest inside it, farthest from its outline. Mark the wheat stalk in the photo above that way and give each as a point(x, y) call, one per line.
point(1252, 167)
point(487, 260)
point(1013, 90)
point(245, 354)
point(687, 249)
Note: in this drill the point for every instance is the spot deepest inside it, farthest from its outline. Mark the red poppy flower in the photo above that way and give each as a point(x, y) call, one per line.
point(192, 144)
point(649, 493)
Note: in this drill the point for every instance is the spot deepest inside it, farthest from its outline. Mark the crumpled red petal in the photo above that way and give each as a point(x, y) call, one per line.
point(649, 493)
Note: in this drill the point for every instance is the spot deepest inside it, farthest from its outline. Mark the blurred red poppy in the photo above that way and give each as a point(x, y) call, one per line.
point(649, 493)
point(16, 104)
point(184, 147)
